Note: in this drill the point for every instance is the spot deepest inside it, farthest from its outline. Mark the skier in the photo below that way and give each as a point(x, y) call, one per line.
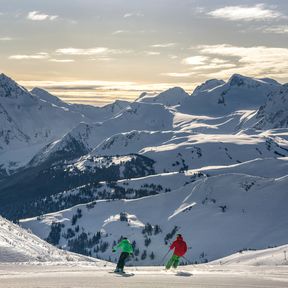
point(127, 250)
point(180, 248)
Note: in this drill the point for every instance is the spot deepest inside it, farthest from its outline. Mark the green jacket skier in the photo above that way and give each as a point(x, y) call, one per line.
point(127, 249)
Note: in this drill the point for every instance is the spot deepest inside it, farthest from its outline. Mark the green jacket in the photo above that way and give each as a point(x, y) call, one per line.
point(125, 246)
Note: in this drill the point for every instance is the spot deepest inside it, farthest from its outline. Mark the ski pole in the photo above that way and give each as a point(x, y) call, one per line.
point(164, 257)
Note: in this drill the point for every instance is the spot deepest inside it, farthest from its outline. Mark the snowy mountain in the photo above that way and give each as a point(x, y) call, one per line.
point(239, 93)
point(28, 123)
point(32, 121)
point(208, 86)
point(85, 137)
point(171, 97)
point(212, 165)
point(33, 117)
point(94, 114)
point(19, 245)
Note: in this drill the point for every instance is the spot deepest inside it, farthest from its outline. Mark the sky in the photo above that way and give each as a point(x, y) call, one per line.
point(96, 51)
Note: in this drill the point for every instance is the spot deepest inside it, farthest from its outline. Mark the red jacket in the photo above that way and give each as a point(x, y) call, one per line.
point(180, 246)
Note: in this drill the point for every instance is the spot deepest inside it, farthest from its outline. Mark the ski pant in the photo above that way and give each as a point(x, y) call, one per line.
point(173, 261)
point(122, 259)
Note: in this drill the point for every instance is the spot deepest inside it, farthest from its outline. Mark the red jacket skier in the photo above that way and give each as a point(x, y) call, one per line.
point(180, 248)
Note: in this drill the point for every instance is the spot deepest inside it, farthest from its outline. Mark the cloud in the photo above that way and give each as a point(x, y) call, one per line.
point(81, 84)
point(245, 13)
point(133, 14)
point(62, 60)
point(101, 51)
point(281, 29)
point(6, 39)
point(258, 61)
point(163, 45)
point(102, 59)
point(38, 16)
point(120, 32)
point(152, 53)
point(178, 75)
point(195, 60)
point(80, 51)
point(37, 56)
point(214, 66)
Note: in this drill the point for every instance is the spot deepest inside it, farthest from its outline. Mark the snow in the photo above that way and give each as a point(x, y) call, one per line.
point(198, 150)
point(267, 257)
point(255, 167)
point(220, 162)
point(91, 113)
point(274, 114)
point(266, 268)
point(239, 93)
point(31, 121)
point(20, 246)
point(171, 97)
point(189, 277)
point(254, 217)
point(208, 85)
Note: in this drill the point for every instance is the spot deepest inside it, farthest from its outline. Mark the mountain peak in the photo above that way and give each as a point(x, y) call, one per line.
point(171, 97)
point(5, 79)
point(173, 90)
point(239, 80)
point(208, 85)
point(9, 88)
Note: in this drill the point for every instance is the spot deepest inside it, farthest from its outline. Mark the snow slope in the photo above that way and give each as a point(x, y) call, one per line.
point(137, 116)
point(28, 276)
point(201, 150)
point(208, 86)
point(265, 257)
point(19, 245)
point(131, 142)
point(237, 211)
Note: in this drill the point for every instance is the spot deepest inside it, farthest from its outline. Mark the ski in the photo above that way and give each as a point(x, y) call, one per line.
point(123, 274)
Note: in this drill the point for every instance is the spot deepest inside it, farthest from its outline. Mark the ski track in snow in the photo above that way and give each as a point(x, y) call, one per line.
point(43, 276)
